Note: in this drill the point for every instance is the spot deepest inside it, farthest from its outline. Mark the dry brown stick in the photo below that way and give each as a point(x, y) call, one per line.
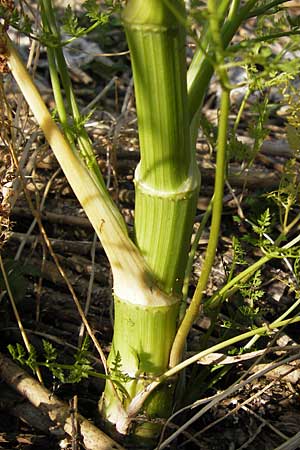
point(279, 148)
point(13, 403)
point(82, 248)
point(53, 407)
point(292, 444)
point(63, 219)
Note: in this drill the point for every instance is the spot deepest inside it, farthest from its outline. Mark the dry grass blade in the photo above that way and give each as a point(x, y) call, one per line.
point(292, 444)
point(229, 391)
point(17, 315)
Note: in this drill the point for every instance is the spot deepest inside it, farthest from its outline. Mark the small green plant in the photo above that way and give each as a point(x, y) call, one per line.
point(64, 373)
point(70, 373)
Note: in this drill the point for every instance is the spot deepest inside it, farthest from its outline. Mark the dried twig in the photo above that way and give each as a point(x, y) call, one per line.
point(53, 407)
point(292, 444)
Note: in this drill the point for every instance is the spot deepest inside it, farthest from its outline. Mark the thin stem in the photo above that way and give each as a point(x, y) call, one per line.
point(264, 9)
point(278, 320)
point(222, 9)
point(240, 112)
point(202, 70)
point(57, 88)
point(55, 78)
point(86, 32)
point(214, 25)
point(291, 243)
point(193, 310)
point(17, 316)
point(215, 348)
point(192, 253)
point(268, 37)
point(233, 285)
point(59, 101)
point(233, 9)
point(57, 55)
point(292, 223)
point(138, 401)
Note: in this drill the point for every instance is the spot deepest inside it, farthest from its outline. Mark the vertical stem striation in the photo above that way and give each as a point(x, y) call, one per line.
point(167, 185)
point(167, 178)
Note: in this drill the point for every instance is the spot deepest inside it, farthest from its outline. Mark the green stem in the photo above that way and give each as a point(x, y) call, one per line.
point(54, 75)
point(268, 37)
point(264, 9)
point(233, 285)
point(191, 257)
point(234, 7)
point(278, 320)
point(58, 62)
point(240, 112)
point(201, 69)
point(167, 177)
point(132, 278)
point(86, 32)
point(167, 186)
point(291, 225)
point(215, 348)
point(138, 401)
point(193, 310)
point(138, 330)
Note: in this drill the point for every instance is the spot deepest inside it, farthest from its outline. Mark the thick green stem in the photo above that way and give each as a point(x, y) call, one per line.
point(132, 278)
point(143, 336)
point(167, 178)
point(167, 186)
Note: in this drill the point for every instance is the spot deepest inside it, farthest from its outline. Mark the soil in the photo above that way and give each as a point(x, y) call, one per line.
point(264, 411)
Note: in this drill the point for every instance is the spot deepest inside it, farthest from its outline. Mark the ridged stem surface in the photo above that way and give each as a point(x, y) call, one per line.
point(167, 185)
point(167, 178)
point(142, 341)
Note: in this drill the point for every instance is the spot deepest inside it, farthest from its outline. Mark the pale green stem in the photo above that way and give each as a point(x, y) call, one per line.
point(215, 348)
point(132, 278)
point(278, 320)
point(193, 310)
point(84, 142)
point(191, 257)
point(201, 69)
point(234, 6)
point(138, 401)
point(240, 112)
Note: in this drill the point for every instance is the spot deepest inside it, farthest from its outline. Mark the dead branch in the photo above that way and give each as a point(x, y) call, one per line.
point(51, 406)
